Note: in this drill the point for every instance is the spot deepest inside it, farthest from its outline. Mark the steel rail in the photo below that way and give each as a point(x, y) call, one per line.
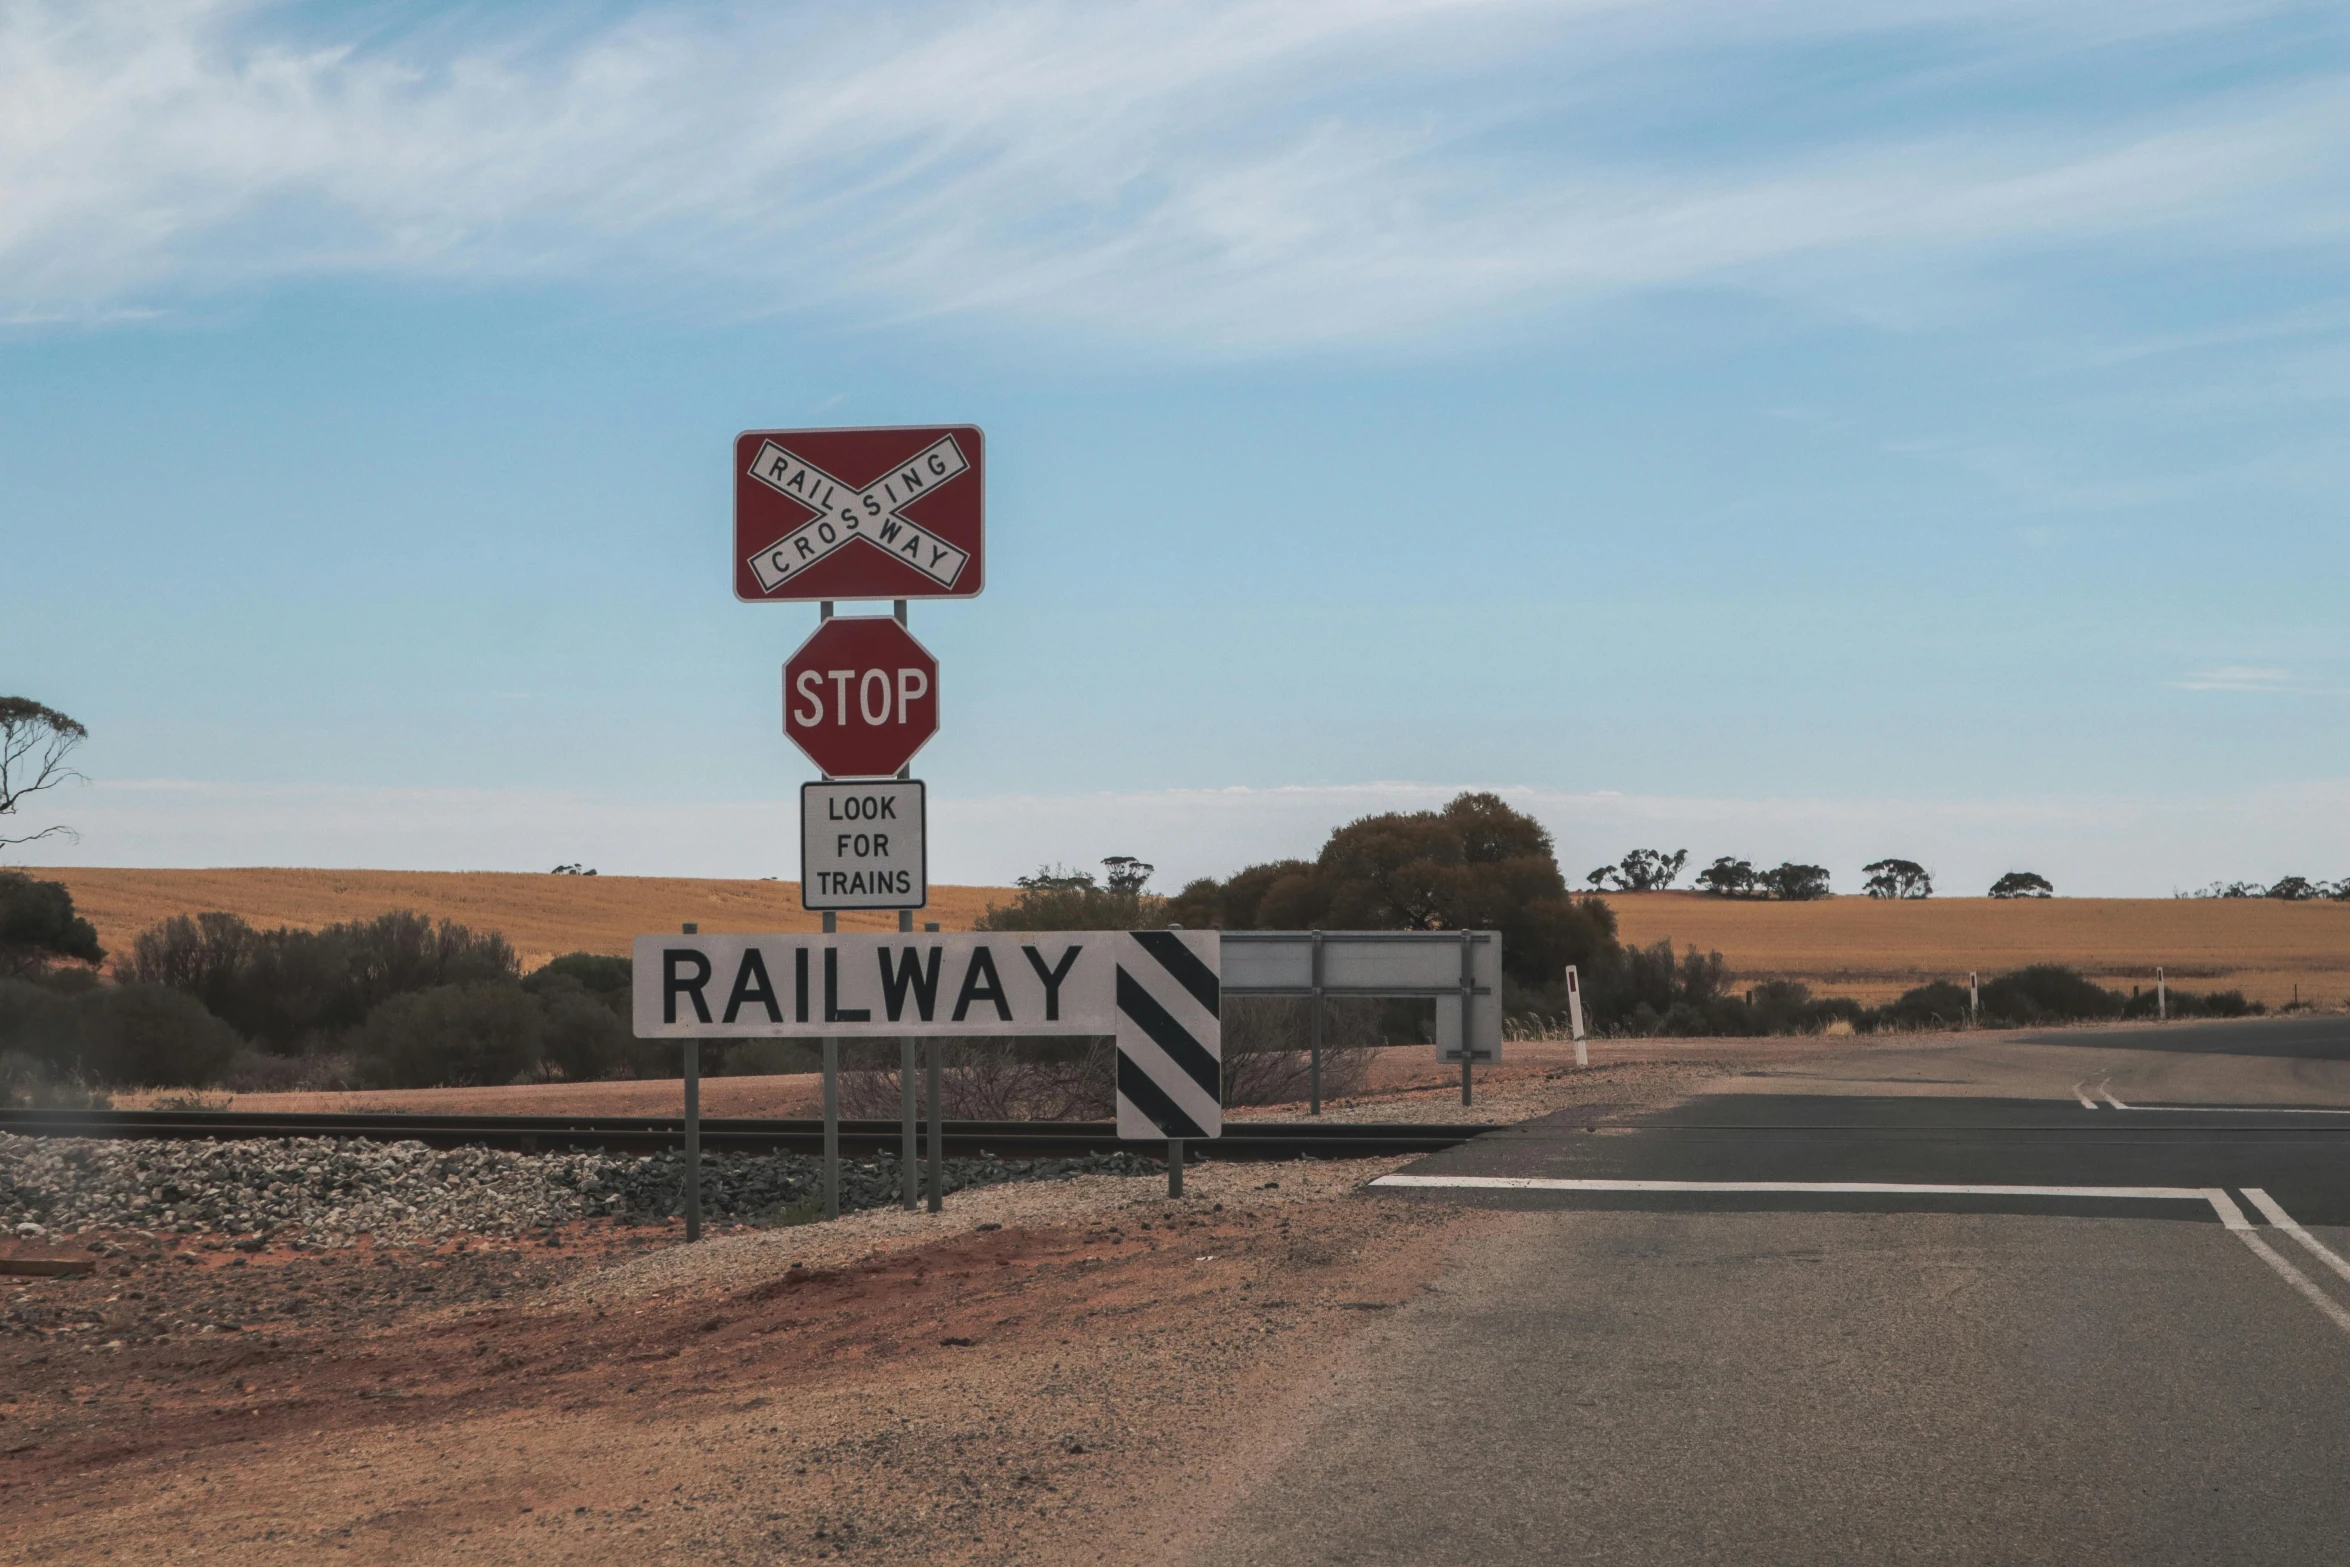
point(659, 1134)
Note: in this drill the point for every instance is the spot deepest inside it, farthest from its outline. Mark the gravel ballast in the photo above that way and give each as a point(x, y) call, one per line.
point(332, 1190)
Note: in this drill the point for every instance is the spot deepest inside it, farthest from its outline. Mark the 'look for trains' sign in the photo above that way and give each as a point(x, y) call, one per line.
point(859, 514)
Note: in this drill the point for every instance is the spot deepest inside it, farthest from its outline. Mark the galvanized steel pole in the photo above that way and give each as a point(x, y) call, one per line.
point(1468, 1049)
point(833, 1114)
point(693, 1127)
point(909, 1190)
point(938, 1133)
point(1314, 1070)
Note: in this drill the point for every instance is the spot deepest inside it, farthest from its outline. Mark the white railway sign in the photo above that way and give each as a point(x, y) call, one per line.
point(861, 986)
point(864, 845)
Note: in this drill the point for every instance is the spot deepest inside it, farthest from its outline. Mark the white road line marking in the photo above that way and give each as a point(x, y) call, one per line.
point(2219, 1200)
point(2299, 1280)
point(2106, 1088)
point(2081, 1092)
point(2230, 1216)
point(2277, 1216)
point(2238, 1109)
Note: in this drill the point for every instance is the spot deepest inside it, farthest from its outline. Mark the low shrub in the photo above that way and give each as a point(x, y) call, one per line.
point(2047, 993)
point(122, 1035)
point(455, 1036)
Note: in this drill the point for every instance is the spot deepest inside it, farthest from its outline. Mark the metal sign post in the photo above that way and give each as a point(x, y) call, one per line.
point(1468, 993)
point(937, 1153)
point(1314, 1038)
point(693, 1129)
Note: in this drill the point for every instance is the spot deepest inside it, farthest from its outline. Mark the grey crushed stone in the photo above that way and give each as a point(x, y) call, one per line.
point(335, 1189)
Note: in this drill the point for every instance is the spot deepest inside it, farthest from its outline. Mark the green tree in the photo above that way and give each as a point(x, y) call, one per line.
point(1476, 864)
point(1643, 870)
point(34, 743)
point(453, 1036)
point(1795, 883)
point(1897, 879)
point(1728, 878)
point(38, 926)
point(1059, 899)
point(2022, 884)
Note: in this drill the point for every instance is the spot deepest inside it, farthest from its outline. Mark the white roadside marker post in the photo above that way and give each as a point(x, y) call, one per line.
point(2161, 997)
point(1974, 997)
point(693, 1128)
point(1575, 1015)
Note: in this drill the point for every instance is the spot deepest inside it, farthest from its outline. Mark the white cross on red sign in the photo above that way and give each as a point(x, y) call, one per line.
point(837, 514)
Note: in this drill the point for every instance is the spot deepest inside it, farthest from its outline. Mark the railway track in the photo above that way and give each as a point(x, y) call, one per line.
point(657, 1134)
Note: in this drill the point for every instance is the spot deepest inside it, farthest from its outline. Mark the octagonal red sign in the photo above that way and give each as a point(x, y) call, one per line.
point(860, 697)
point(859, 514)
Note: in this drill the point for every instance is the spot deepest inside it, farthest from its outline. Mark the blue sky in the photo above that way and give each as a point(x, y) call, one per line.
point(1794, 430)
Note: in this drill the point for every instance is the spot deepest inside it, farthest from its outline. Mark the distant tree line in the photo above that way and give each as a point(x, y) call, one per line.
point(1659, 994)
point(398, 1001)
point(2290, 889)
point(1653, 870)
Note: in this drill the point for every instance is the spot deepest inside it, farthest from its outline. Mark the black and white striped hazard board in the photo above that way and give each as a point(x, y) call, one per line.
point(1170, 1034)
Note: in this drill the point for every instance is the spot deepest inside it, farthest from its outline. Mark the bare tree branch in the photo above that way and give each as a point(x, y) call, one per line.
point(34, 743)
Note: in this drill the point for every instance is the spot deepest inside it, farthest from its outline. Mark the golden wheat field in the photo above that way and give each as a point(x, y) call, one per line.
point(1874, 949)
point(1859, 947)
point(543, 916)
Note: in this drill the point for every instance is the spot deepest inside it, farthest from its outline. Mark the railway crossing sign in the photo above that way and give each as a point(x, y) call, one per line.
point(1170, 1034)
point(859, 514)
point(860, 697)
point(863, 845)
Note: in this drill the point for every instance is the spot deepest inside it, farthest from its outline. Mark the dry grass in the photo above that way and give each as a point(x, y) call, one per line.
point(543, 916)
point(1875, 949)
point(1848, 946)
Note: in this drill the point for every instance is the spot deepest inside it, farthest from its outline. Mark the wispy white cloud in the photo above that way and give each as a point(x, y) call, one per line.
point(1233, 175)
point(2248, 677)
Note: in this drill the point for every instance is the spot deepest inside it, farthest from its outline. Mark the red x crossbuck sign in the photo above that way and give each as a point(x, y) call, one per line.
point(859, 514)
point(860, 697)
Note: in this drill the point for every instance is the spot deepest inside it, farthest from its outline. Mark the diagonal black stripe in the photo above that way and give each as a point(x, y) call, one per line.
point(1136, 1087)
point(1179, 960)
point(1188, 1054)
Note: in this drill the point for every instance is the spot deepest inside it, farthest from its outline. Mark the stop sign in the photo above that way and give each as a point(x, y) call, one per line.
point(860, 697)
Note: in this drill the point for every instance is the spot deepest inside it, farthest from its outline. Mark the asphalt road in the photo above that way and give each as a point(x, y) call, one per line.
point(1655, 1361)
